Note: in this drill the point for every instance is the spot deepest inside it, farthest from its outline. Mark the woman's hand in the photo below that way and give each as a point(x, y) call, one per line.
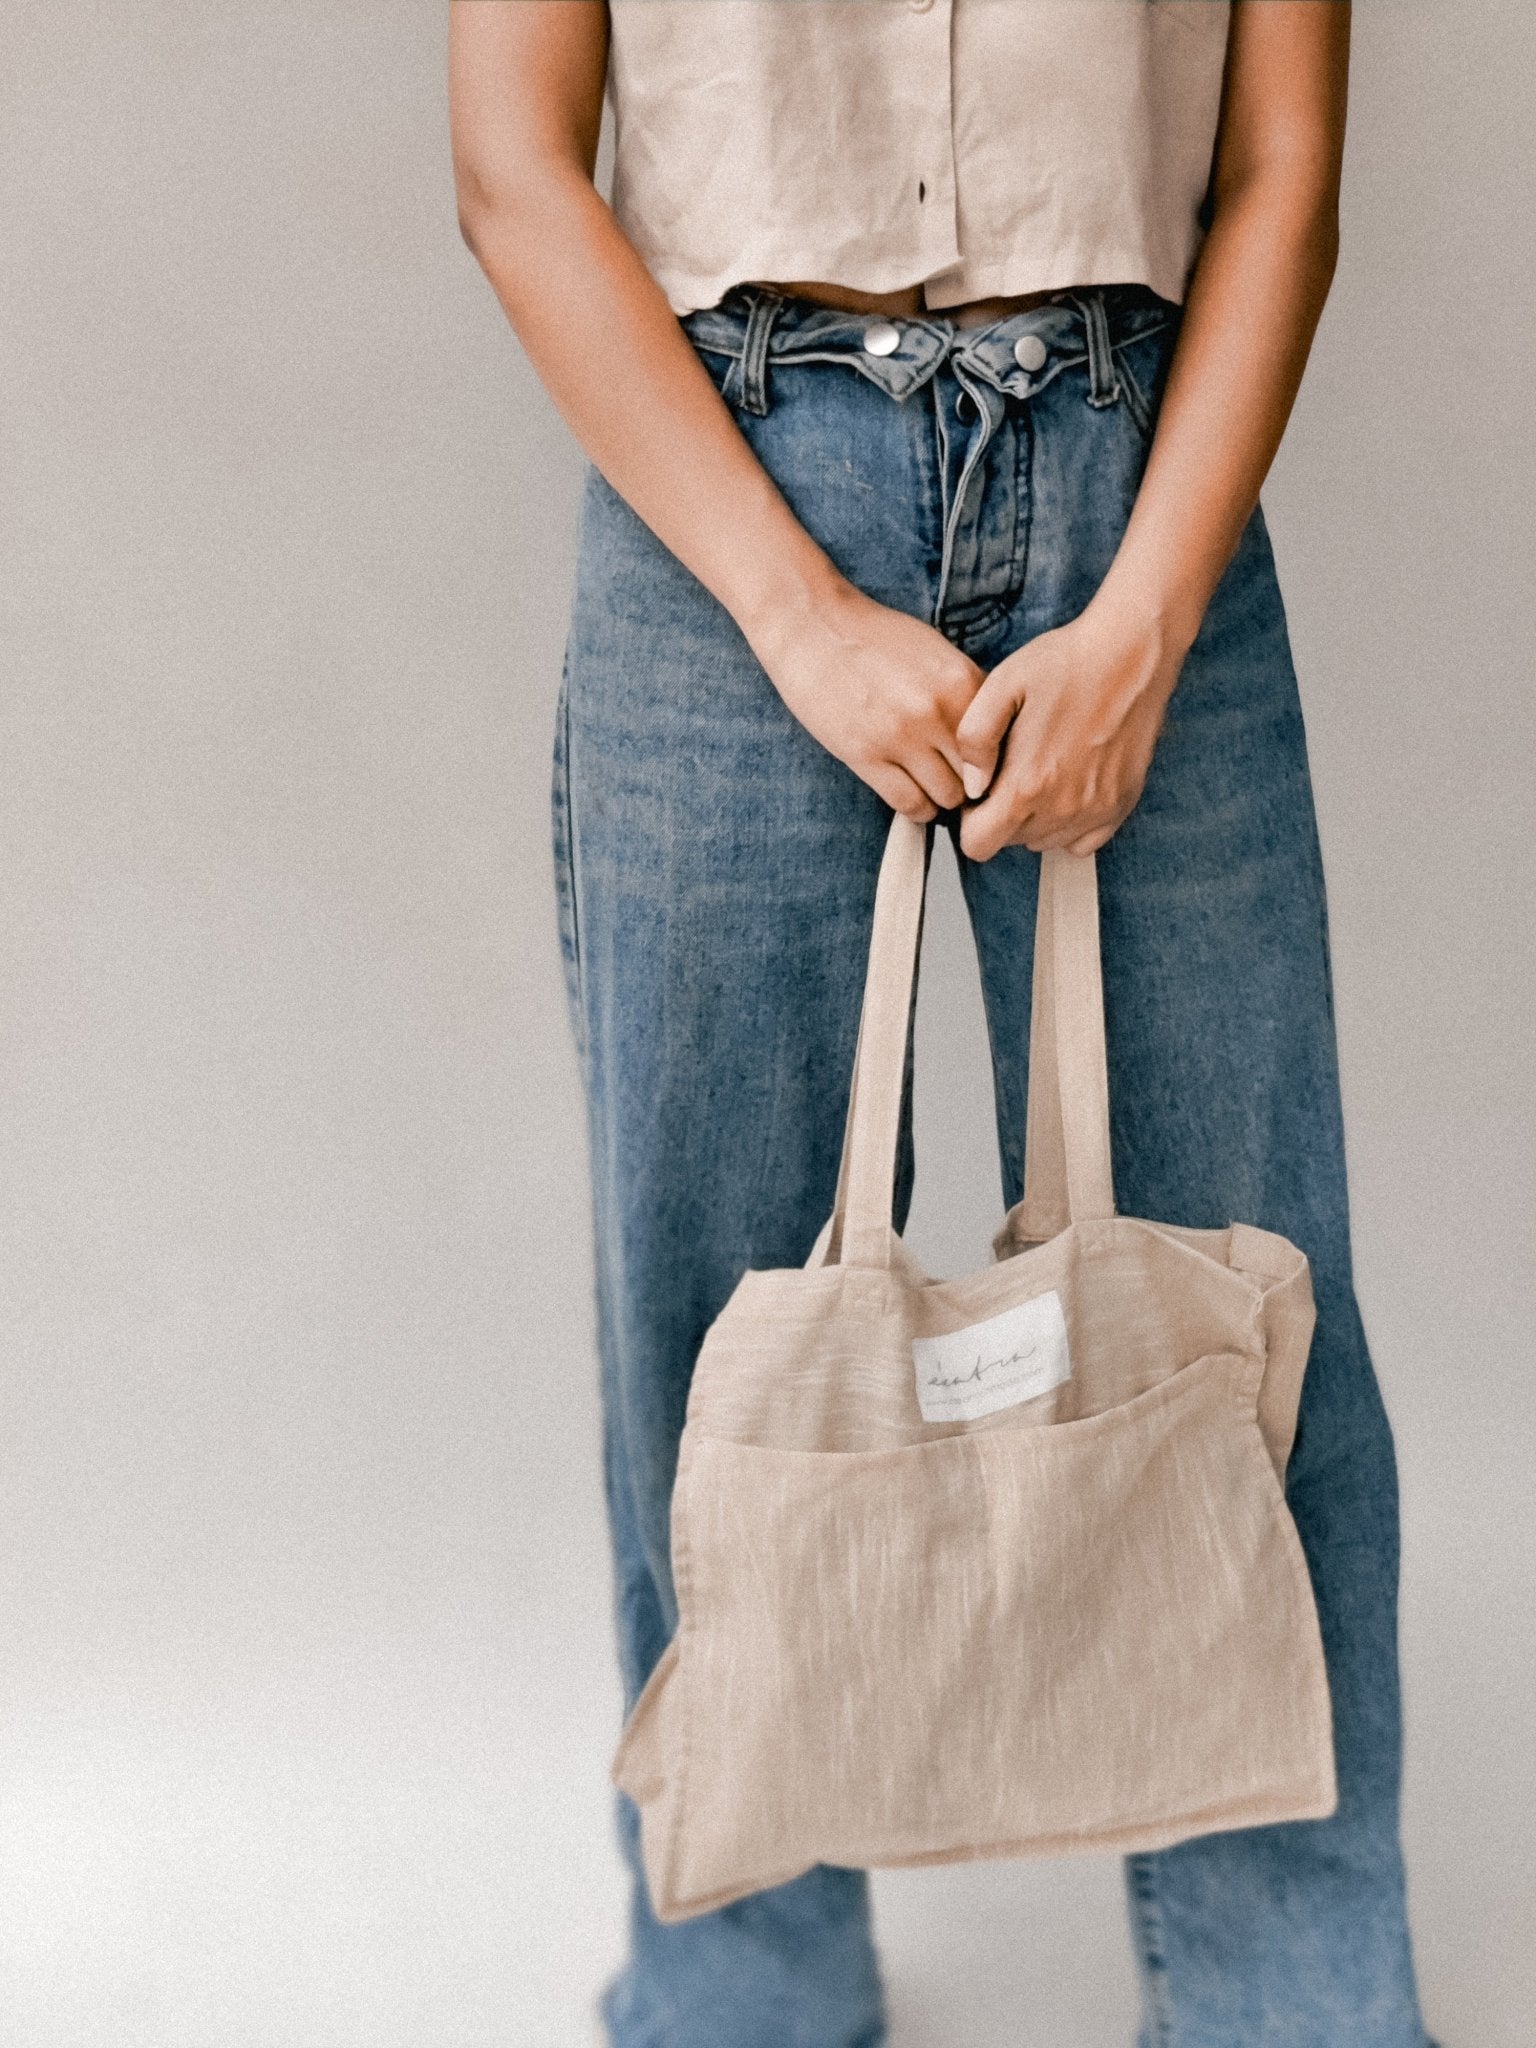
point(1076, 713)
point(1061, 734)
point(882, 691)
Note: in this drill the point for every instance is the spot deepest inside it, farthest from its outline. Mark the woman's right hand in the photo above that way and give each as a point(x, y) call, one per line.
point(881, 690)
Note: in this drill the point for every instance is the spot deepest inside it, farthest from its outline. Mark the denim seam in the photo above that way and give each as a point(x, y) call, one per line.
point(1023, 502)
point(1154, 1950)
point(973, 455)
point(968, 630)
point(945, 336)
point(972, 628)
point(566, 863)
point(1130, 389)
point(1325, 946)
point(941, 435)
point(1037, 383)
point(854, 359)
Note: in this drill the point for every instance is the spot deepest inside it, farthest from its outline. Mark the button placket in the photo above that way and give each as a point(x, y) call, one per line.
point(988, 407)
point(931, 157)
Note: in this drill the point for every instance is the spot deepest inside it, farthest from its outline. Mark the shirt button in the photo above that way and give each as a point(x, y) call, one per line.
point(919, 6)
point(1030, 352)
point(881, 338)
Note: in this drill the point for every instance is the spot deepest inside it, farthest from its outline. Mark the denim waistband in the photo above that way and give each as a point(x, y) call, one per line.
point(760, 323)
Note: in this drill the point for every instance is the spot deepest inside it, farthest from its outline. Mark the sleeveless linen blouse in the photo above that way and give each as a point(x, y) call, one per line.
point(975, 147)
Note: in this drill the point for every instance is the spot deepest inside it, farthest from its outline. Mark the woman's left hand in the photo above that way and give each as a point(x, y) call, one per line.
point(1061, 733)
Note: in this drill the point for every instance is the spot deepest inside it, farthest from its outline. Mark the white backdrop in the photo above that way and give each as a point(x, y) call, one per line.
point(306, 1682)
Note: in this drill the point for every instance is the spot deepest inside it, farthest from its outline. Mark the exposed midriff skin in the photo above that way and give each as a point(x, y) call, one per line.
point(907, 304)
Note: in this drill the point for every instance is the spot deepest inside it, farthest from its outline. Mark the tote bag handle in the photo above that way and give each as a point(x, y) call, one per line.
point(1067, 1173)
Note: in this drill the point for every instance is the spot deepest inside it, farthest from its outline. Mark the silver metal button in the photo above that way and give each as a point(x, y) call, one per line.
point(1030, 352)
point(881, 338)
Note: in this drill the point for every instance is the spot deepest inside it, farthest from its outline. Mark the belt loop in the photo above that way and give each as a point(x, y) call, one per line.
point(754, 348)
point(1103, 384)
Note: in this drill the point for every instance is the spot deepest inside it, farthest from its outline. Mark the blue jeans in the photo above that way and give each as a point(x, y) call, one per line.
point(716, 871)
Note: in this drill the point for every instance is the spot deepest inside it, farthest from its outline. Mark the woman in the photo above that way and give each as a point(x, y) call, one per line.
point(929, 364)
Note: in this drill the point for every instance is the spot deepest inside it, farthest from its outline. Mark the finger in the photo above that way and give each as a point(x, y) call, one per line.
point(985, 722)
point(1046, 835)
point(1081, 832)
point(986, 828)
point(961, 685)
point(970, 781)
point(902, 793)
point(1090, 842)
point(936, 774)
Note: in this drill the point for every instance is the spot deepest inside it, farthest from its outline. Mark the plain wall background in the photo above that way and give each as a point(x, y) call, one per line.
point(306, 1684)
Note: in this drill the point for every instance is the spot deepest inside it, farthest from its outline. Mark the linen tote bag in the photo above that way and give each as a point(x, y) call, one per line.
point(990, 1566)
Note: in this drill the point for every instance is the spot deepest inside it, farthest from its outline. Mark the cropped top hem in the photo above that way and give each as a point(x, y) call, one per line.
point(1092, 264)
point(978, 148)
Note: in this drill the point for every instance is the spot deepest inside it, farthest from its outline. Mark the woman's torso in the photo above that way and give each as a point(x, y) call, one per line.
point(914, 155)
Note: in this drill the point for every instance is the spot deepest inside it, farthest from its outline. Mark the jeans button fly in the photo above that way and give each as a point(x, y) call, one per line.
point(1030, 352)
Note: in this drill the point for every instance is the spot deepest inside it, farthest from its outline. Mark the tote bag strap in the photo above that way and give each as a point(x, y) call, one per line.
point(1067, 1158)
point(861, 1219)
point(1067, 1171)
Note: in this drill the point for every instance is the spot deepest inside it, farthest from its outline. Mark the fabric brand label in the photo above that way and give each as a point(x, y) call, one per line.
point(991, 1365)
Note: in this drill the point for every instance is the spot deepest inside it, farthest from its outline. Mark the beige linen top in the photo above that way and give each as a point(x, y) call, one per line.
point(976, 147)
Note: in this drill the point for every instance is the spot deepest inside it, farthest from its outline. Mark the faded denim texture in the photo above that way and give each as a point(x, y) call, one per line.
point(716, 872)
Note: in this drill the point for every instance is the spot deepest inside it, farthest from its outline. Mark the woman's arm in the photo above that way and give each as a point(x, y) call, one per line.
point(882, 691)
point(1076, 712)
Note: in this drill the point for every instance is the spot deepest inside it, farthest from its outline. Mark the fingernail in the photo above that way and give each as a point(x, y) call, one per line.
point(975, 780)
